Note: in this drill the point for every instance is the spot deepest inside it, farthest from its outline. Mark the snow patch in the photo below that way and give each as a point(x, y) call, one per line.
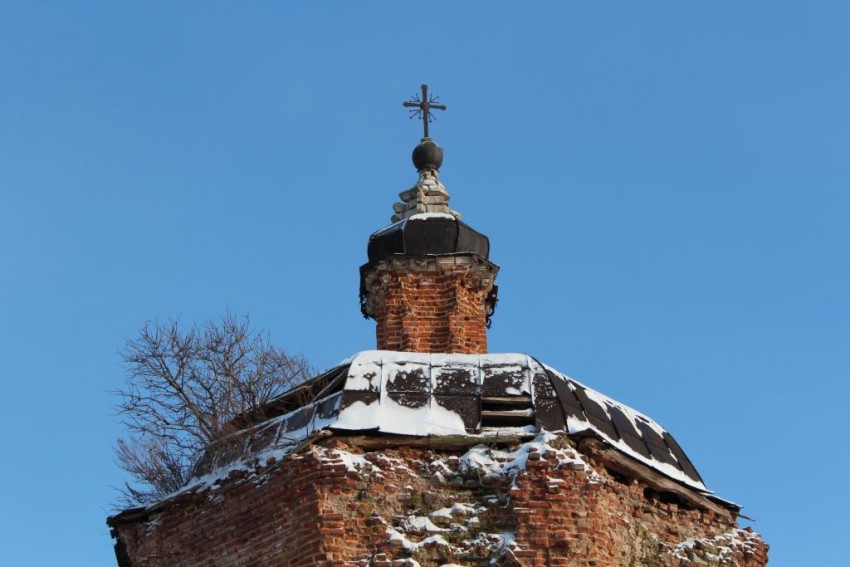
point(399, 539)
point(391, 417)
point(419, 524)
point(497, 462)
point(426, 216)
point(457, 509)
point(352, 462)
point(719, 548)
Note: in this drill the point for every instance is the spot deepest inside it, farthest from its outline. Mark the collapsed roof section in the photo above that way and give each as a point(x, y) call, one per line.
point(417, 394)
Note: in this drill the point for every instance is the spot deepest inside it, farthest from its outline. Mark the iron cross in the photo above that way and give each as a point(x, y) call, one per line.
point(422, 107)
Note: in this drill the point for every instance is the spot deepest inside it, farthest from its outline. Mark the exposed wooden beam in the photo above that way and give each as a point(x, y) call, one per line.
point(375, 442)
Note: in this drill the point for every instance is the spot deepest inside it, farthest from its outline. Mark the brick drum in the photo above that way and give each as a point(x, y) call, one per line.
point(431, 304)
point(345, 502)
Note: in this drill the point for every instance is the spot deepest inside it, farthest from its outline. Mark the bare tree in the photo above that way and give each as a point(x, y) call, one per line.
point(183, 390)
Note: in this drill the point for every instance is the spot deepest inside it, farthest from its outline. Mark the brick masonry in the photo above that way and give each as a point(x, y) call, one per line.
point(431, 304)
point(338, 504)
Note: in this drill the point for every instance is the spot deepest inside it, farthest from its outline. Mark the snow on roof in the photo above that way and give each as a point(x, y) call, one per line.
point(416, 217)
point(421, 394)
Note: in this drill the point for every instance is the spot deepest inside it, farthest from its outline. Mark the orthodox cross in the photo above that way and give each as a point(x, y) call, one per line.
point(422, 107)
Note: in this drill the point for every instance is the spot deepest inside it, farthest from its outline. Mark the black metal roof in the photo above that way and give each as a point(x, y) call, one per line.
point(450, 394)
point(427, 234)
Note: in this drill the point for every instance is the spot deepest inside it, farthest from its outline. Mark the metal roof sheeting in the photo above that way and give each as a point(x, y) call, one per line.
point(457, 394)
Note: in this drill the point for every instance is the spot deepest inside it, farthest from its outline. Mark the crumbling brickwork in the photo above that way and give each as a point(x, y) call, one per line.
point(351, 502)
point(431, 304)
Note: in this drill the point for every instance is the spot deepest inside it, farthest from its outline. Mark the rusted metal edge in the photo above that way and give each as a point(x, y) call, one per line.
point(128, 516)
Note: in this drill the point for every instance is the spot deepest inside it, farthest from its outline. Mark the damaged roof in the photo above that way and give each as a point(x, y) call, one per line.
point(466, 394)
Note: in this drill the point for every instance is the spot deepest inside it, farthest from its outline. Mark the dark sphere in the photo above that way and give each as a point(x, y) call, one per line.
point(427, 155)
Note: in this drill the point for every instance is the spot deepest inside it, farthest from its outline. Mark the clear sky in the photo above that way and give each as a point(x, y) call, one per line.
point(665, 186)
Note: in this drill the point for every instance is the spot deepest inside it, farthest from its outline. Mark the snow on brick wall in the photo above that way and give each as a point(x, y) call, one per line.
point(539, 503)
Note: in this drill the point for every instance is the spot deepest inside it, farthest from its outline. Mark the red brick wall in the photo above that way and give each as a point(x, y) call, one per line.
point(314, 510)
point(431, 305)
point(242, 523)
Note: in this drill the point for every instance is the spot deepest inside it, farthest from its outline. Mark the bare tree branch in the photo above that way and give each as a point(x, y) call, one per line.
point(183, 389)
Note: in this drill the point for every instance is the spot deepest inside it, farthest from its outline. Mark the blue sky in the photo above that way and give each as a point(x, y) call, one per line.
point(665, 186)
